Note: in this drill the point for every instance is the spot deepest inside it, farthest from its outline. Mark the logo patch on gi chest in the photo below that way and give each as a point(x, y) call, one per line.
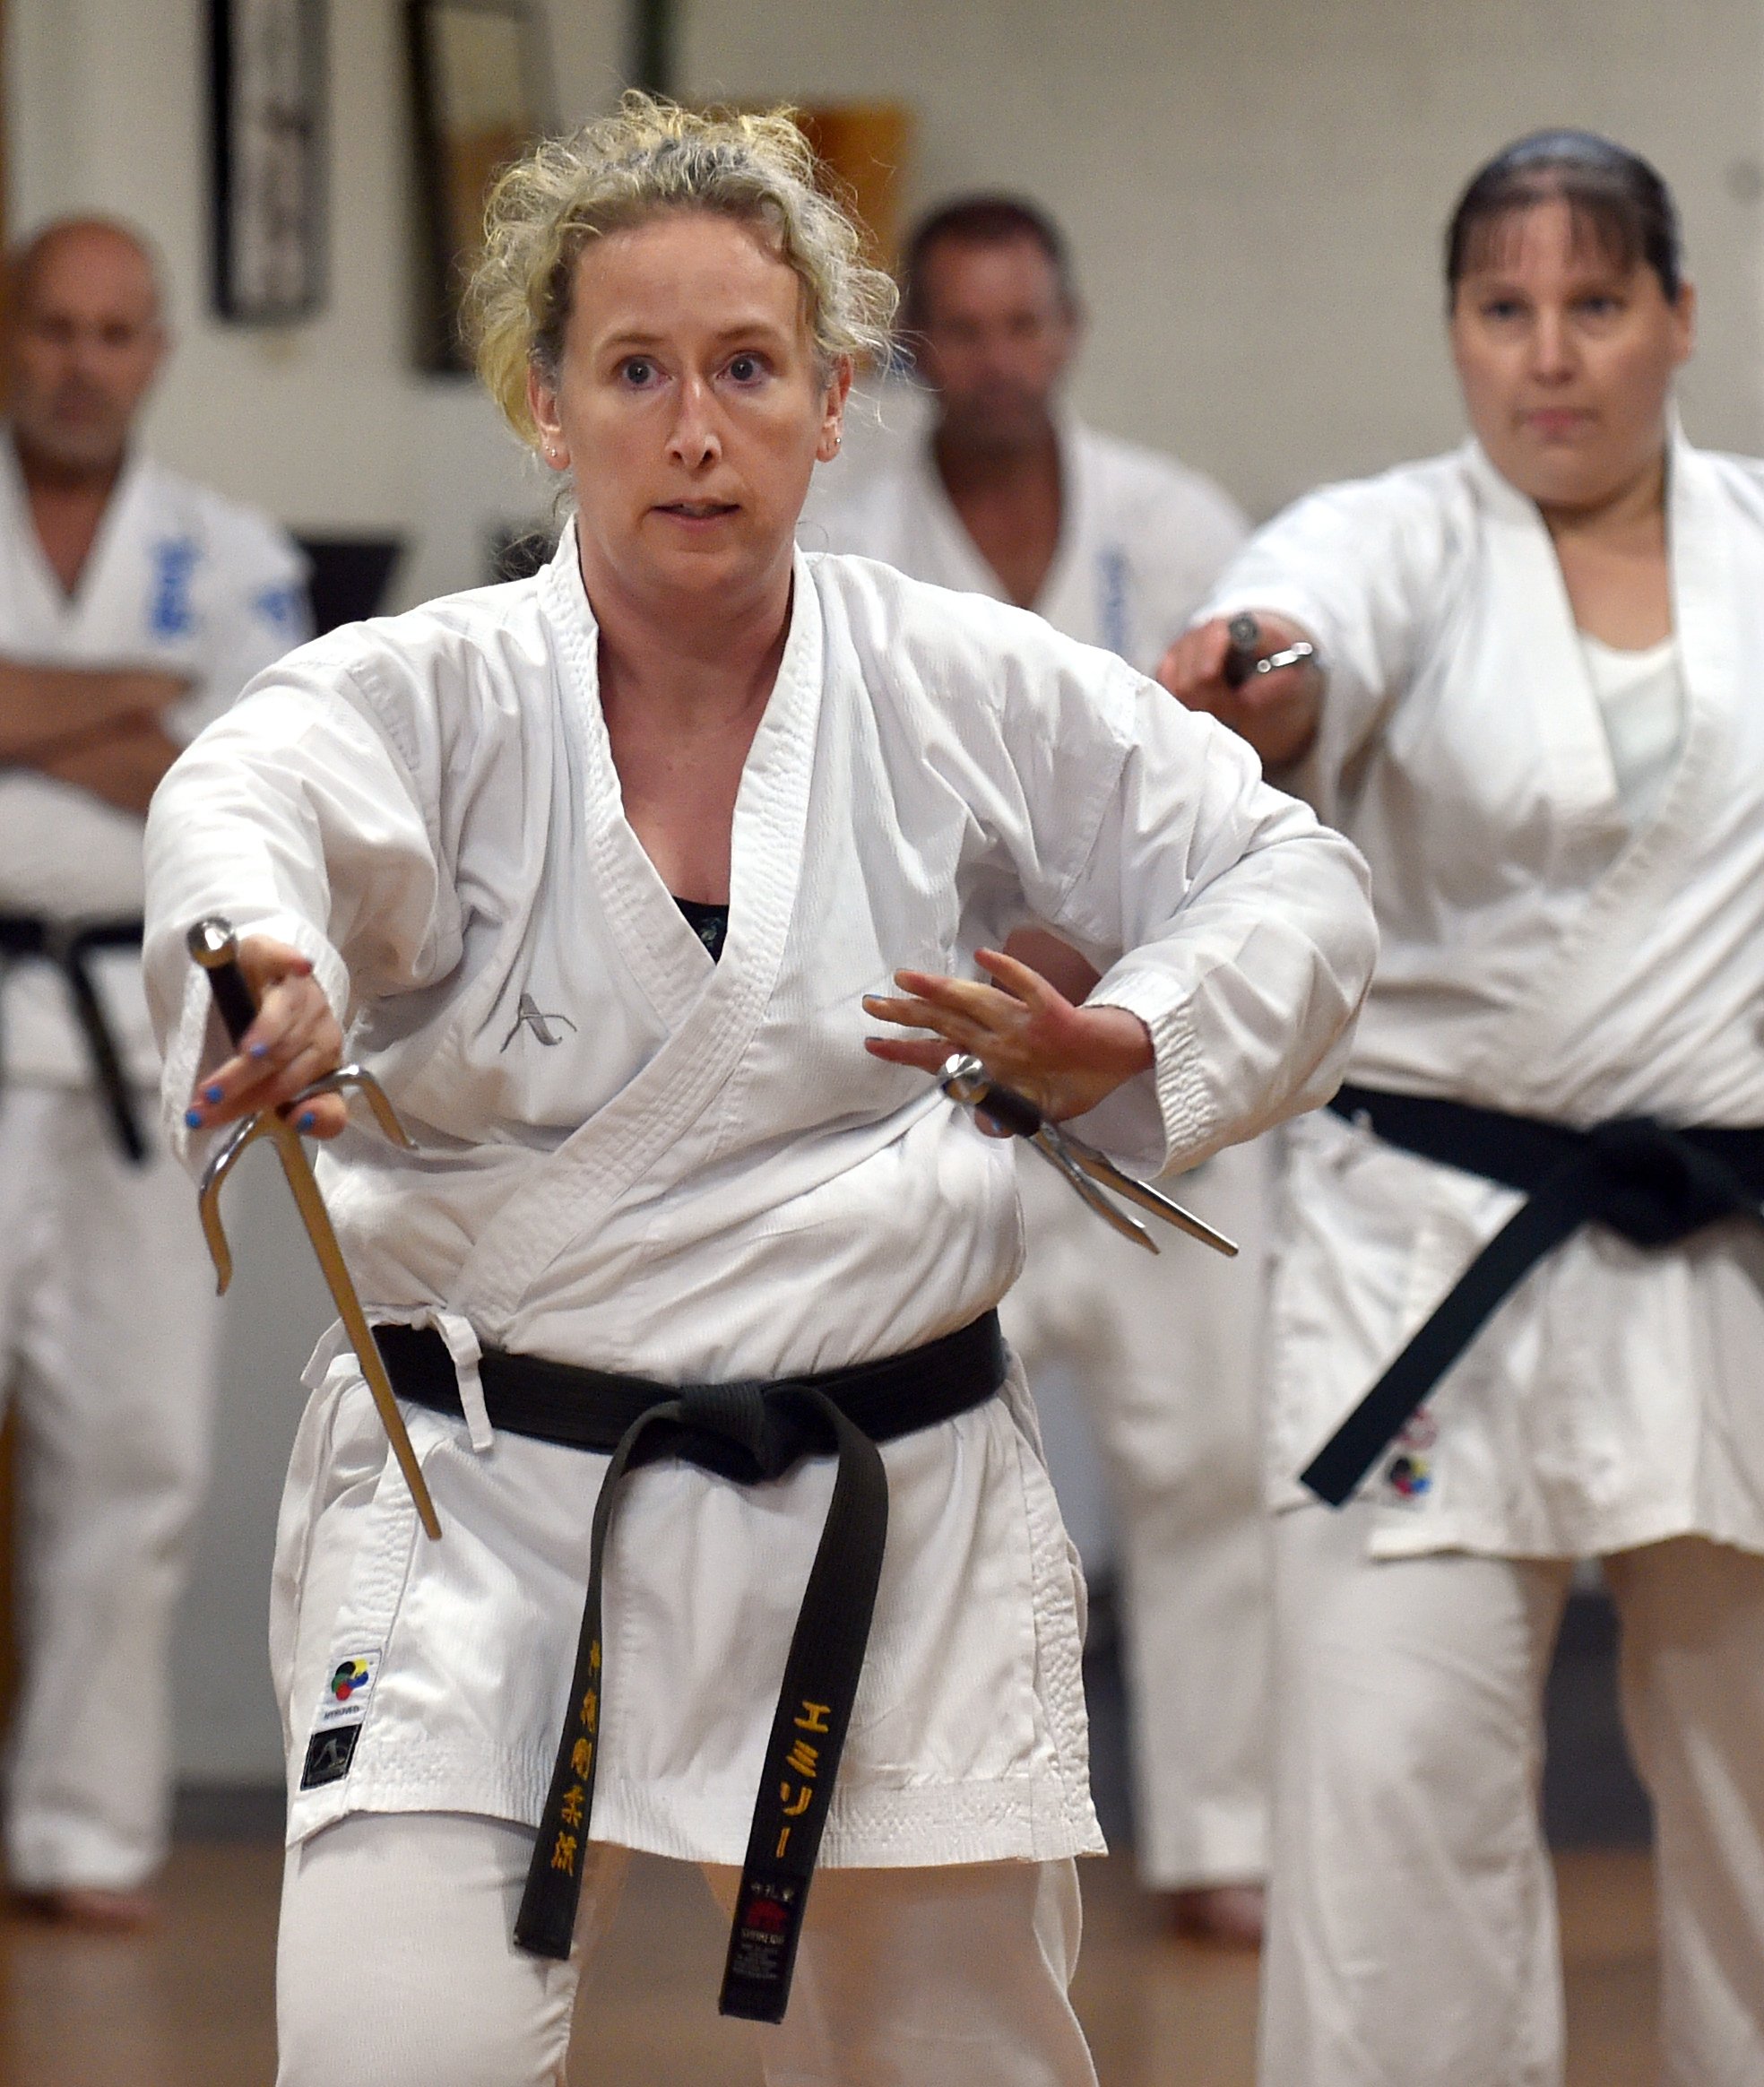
point(1408, 1476)
point(343, 1711)
point(531, 1017)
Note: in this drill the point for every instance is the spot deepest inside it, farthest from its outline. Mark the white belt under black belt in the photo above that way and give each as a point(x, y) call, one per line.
point(69, 945)
point(750, 1432)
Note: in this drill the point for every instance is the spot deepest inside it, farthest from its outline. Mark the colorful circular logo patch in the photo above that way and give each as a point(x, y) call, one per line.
point(349, 1676)
point(1409, 1477)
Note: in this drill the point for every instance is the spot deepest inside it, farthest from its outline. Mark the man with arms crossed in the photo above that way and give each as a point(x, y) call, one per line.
point(134, 607)
point(1006, 493)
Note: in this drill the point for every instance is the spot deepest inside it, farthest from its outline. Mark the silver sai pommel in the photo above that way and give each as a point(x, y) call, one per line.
point(1242, 661)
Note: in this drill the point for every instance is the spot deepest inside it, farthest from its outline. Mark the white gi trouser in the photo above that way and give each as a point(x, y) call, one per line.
point(106, 1333)
point(396, 1968)
point(1412, 1935)
point(1166, 1353)
point(400, 1925)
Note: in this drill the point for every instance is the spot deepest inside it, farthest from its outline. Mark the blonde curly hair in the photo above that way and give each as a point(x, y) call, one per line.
point(648, 156)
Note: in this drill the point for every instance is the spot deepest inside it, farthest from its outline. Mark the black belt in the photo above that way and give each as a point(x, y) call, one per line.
point(749, 1431)
point(67, 945)
point(1654, 1185)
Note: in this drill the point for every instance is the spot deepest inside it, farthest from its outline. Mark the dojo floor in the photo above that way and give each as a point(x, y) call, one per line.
point(189, 2004)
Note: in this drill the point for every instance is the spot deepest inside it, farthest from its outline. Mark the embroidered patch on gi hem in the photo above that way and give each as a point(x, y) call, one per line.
point(347, 1692)
point(329, 1755)
point(342, 1711)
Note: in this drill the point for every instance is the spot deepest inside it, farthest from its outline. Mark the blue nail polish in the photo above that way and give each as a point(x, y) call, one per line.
point(258, 1051)
point(211, 1094)
point(193, 1119)
point(309, 1121)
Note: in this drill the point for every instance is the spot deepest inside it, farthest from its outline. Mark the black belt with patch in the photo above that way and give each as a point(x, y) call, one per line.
point(748, 1431)
point(69, 945)
point(1652, 1184)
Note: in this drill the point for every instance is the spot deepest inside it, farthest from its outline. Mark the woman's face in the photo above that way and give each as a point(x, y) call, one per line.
point(689, 409)
point(1567, 358)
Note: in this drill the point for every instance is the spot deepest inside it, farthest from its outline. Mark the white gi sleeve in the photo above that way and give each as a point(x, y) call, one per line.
point(1356, 567)
point(1234, 925)
point(300, 816)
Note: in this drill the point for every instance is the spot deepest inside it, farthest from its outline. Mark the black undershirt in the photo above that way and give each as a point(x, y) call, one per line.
point(710, 923)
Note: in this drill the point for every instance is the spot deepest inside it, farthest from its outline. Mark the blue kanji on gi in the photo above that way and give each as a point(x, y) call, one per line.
point(169, 612)
point(281, 606)
point(1111, 575)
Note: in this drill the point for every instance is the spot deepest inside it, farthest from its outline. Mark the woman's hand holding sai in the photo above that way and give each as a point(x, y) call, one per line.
point(294, 1040)
point(1064, 1059)
point(1276, 713)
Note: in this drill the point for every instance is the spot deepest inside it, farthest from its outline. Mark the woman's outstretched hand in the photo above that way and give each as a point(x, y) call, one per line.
point(1028, 1035)
point(294, 1040)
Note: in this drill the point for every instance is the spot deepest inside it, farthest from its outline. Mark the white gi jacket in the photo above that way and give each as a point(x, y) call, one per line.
point(1142, 538)
point(182, 581)
point(633, 1158)
point(1537, 956)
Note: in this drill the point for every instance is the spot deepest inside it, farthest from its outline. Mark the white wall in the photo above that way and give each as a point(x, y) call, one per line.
point(1255, 190)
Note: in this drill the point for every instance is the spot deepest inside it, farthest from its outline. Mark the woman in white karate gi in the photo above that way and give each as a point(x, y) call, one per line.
point(1541, 714)
point(602, 871)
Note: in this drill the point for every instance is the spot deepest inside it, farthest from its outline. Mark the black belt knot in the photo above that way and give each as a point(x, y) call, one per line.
point(69, 945)
point(746, 1429)
point(752, 1433)
point(1657, 1188)
point(1652, 1184)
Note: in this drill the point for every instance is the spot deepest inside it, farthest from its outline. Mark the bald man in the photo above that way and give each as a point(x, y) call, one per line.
point(134, 607)
point(1005, 492)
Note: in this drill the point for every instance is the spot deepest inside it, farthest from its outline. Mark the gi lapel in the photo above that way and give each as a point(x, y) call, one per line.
point(1551, 674)
point(119, 590)
point(955, 559)
point(1063, 601)
point(713, 1012)
point(1652, 865)
point(91, 622)
point(1070, 598)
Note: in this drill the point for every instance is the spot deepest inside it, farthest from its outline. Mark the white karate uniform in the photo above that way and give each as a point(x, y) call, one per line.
point(107, 1316)
point(1570, 894)
point(1161, 1357)
point(1142, 538)
point(705, 1176)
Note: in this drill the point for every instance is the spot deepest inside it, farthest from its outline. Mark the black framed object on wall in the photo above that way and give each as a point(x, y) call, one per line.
point(267, 92)
point(480, 90)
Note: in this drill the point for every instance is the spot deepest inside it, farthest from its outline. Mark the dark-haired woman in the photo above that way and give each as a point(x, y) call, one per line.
point(1538, 707)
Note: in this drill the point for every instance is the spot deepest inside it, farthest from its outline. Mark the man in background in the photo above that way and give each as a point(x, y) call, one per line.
point(134, 607)
point(1004, 492)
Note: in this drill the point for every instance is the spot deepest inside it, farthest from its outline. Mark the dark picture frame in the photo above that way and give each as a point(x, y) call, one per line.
point(479, 85)
point(267, 78)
